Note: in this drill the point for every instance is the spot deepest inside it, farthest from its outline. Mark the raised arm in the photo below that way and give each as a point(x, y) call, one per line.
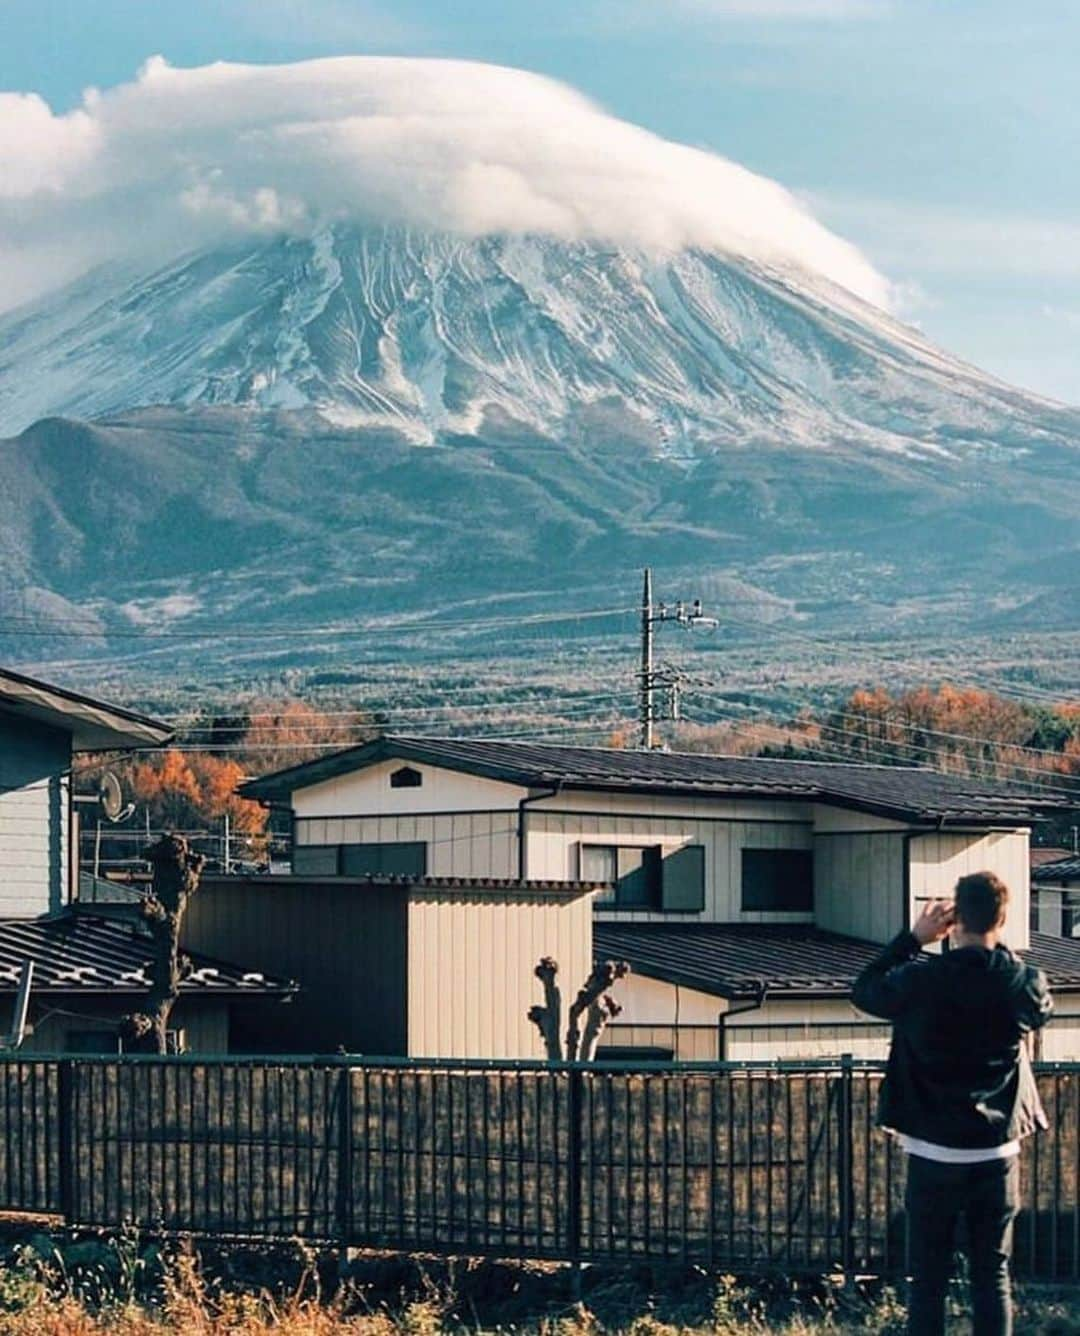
point(883, 988)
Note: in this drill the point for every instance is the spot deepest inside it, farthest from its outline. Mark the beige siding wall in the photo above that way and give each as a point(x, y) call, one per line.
point(686, 1043)
point(938, 860)
point(646, 1001)
point(1060, 1040)
point(465, 844)
point(555, 838)
point(859, 882)
point(786, 1030)
point(470, 974)
point(369, 792)
point(34, 811)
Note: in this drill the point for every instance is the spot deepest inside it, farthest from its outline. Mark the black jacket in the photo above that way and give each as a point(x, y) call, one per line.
point(958, 1072)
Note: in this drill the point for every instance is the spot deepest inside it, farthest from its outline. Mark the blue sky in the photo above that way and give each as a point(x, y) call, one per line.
point(942, 137)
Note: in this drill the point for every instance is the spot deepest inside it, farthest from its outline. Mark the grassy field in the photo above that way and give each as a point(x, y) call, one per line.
point(93, 1286)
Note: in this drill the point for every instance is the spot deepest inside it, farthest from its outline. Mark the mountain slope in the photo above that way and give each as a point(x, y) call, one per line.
point(307, 431)
point(436, 336)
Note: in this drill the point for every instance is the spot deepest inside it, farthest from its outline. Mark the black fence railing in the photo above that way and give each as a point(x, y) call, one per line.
point(735, 1166)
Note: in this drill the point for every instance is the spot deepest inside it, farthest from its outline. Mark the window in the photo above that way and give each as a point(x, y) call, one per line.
point(406, 778)
point(642, 877)
point(388, 860)
point(778, 880)
point(315, 860)
point(633, 870)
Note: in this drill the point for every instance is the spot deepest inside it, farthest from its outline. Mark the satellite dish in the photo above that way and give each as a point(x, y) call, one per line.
point(111, 798)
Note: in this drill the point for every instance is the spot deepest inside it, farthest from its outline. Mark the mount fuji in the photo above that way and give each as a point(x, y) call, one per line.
point(369, 416)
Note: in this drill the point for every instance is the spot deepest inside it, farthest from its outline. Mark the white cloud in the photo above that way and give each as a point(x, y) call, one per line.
point(181, 158)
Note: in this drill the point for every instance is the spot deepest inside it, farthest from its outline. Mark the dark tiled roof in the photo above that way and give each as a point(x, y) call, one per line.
point(905, 792)
point(452, 885)
point(1040, 856)
point(1064, 869)
point(737, 960)
point(1057, 957)
point(740, 960)
point(82, 953)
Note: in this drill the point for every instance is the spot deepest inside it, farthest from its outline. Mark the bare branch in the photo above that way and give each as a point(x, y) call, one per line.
point(604, 974)
point(548, 1018)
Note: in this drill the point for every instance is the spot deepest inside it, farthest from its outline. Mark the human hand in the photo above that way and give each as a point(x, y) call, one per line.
point(934, 922)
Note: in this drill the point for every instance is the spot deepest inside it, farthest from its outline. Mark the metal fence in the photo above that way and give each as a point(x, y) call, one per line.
point(735, 1166)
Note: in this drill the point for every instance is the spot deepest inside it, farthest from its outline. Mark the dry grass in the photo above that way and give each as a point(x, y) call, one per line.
point(117, 1289)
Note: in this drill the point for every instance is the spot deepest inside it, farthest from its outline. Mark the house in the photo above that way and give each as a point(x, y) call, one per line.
point(1055, 895)
point(746, 893)
point(89, 961)
point(426, 967)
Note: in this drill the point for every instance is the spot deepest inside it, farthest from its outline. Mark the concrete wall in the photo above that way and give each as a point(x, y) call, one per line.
point(34, 814)
point(470, 968)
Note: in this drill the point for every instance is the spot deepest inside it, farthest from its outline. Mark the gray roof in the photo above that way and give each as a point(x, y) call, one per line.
point(77, 952)
point(903, 792)
point(740, 961)
point(93, 724)
point(1064, 869)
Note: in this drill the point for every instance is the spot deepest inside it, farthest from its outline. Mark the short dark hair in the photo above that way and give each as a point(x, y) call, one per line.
point(981, 900)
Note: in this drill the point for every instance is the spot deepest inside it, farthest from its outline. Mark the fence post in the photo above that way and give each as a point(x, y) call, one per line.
point(575, 1170)
point(65, 1140)
point(845, 1166)
point(344, 1203)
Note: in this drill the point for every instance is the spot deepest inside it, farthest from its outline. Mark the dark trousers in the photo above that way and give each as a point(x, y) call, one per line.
point(987, 1195)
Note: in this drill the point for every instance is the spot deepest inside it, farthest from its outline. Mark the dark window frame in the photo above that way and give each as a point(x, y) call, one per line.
point(754, 885)
point(406, 777)
point(649, 869)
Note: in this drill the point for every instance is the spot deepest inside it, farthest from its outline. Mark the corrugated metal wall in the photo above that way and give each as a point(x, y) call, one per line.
point(471, 962)
point(344, 943)
point(34, 870)
point(938, 860)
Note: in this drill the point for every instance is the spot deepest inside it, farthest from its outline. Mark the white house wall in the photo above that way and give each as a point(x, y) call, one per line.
point(464, 844)
point(859, 882)
point(555, 837)
point(646, 1001)
point(471, 963)
point(938, 860)
point(785, 1030)
point(368, 793)
point(1060, 1040)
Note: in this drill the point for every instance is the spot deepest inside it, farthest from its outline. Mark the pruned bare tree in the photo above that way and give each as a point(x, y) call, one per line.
point(593, 1002)
point(175, 880)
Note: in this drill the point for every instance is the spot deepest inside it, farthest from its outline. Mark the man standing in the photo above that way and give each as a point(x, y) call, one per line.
point(959, 1092)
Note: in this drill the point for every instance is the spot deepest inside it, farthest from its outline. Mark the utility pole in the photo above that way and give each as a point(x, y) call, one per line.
point(651, 614)
point(648, 685)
